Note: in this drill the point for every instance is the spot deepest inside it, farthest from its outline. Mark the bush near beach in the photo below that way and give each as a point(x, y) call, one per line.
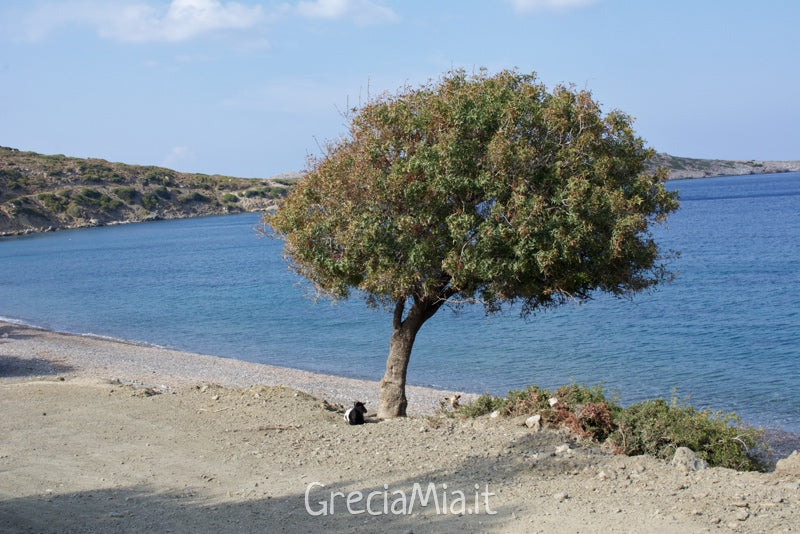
point(655, 427)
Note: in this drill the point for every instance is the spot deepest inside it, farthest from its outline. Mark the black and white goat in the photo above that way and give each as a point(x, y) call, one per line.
point(355, 415)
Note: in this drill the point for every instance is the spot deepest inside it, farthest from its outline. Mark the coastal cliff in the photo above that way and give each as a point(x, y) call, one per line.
point(41, 193)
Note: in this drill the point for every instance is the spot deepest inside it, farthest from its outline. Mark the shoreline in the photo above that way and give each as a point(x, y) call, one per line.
point(35, 351)
point(38, 351)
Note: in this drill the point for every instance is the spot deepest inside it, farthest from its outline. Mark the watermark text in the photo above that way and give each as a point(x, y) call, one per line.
point(398, 502)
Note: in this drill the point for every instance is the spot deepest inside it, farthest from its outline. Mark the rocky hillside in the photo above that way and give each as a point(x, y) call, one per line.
point(681, 168)
point(40, 193)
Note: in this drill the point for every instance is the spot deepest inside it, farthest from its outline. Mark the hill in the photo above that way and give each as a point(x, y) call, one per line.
point(41, 193)
point(681, 168)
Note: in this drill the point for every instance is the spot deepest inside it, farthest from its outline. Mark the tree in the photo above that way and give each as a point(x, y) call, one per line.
point(476, 189)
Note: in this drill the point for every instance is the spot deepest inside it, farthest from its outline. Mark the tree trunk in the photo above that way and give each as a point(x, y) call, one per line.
point(392, 397)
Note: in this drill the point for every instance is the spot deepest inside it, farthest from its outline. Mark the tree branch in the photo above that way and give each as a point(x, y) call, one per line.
point(399, 307)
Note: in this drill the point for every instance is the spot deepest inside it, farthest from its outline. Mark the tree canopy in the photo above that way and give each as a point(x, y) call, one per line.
point(476, 188)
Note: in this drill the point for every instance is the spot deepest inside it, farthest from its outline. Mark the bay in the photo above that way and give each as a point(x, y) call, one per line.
point(725, 335)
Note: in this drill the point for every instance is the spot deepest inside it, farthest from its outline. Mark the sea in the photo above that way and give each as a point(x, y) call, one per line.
point(723, 336)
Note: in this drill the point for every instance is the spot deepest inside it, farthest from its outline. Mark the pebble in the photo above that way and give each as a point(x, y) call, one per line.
point(742, 515)
point(687, 460)
point(561, 496)
point(534, 422)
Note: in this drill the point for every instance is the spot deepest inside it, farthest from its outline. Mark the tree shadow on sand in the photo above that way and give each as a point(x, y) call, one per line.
point(14, 367)
point(140, 508)
point(10, 332)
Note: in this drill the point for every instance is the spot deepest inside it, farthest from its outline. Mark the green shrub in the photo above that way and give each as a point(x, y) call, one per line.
point(127, 194)
point(201, 181)
point(657, 428)
point(194, 196)
point(13, 178)
point(91, 198)
point(25, 206)
point(149, 200)
point(267, 192)
point(163, 192)
point(109, 204)
point(90, 195)
point(223, 183)
point(157, 175)
point(652, 427)
point(231, 198)
point(73, 210)
point(251, 193)
point(97, 172)
point(483, 405)
point(579, 394)
point(528, 401)
point(54, 203)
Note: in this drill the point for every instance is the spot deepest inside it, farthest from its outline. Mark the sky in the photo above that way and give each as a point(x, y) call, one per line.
point(251, 88)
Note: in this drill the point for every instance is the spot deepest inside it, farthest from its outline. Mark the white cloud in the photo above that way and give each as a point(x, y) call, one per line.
point(178, 157)
point(529, 6)
point(363, 12)
point(140, 22)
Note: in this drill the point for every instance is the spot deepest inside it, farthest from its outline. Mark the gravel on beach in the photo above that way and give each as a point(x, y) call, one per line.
point(42, 352)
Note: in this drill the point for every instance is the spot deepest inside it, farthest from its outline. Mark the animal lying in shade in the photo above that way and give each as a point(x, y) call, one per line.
point(355, 415)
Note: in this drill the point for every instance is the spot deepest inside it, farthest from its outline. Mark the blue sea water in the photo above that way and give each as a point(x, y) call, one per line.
point(725, 334)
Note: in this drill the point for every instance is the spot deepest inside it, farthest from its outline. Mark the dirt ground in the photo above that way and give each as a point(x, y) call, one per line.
point(96, 456)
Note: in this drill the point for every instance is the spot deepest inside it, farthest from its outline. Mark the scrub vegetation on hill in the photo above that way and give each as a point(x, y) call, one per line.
point(43, 192)
point(50, 192)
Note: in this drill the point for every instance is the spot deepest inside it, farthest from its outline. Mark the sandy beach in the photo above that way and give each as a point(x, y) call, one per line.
point(100, 436)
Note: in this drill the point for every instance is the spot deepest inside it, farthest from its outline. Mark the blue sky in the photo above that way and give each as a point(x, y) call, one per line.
point(249, 88)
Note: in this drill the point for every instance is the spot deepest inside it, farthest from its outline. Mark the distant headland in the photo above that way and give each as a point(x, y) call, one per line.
point(40, 193)
point(683, 168)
